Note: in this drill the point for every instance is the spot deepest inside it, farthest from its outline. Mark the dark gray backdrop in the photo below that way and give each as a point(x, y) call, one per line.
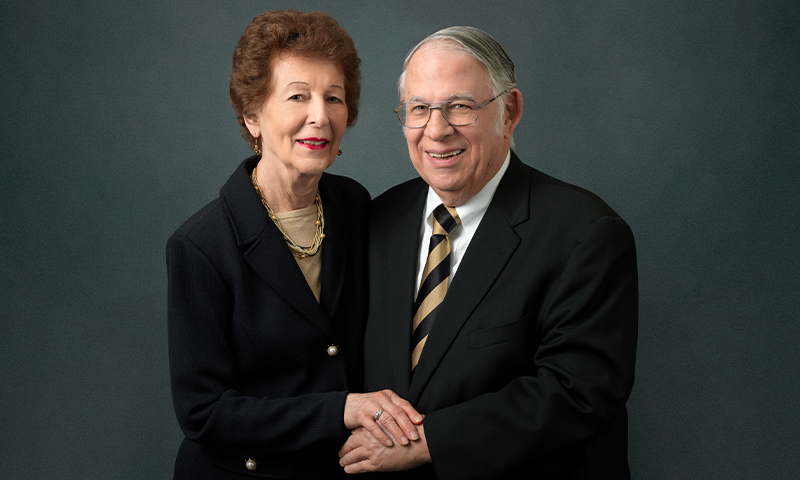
point(684, 116)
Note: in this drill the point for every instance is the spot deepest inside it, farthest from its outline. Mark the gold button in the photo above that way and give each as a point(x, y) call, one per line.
point(250, 464)
point(333, 350)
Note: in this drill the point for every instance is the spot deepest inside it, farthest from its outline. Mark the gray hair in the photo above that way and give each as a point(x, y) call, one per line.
point(482, 47)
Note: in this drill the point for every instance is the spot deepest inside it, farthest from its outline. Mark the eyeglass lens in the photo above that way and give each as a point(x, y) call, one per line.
point(458, 113)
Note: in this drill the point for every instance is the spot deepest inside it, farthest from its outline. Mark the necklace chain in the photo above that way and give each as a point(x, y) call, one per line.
point(298, 251)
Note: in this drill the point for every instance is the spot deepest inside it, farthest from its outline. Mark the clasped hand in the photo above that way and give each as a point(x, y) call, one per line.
point(382, 445)
point(397, 416)
point(362, 453)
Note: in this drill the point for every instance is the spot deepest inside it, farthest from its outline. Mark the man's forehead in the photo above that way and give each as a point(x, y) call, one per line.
point(446, 73)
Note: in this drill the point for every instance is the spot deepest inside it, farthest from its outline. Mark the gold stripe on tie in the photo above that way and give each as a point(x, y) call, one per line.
point(435, 279)
point(431, 301)
point(417, 352)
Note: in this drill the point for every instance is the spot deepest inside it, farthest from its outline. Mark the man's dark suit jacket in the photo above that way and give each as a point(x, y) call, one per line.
point(251, 376)
point(530, 361)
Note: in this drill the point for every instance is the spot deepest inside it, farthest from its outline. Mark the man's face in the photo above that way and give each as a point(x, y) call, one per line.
point(456, 162)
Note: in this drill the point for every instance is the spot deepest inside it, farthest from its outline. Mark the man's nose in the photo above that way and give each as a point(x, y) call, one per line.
point(438, 126)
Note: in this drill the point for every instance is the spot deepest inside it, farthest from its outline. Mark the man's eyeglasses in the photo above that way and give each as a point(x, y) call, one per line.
point(458, 113)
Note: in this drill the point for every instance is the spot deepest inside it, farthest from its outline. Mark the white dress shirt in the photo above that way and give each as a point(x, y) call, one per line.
point(470, 212)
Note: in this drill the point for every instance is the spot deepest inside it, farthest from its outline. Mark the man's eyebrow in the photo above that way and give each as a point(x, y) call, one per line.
point(455, 96)
point(461, 96)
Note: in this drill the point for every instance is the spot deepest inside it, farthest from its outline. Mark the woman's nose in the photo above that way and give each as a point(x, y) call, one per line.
point(318, 112)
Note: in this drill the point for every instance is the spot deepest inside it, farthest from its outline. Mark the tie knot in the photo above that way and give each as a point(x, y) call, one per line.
point(445, 220)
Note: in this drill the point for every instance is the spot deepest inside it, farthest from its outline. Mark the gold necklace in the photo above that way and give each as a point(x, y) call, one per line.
point(298, 251)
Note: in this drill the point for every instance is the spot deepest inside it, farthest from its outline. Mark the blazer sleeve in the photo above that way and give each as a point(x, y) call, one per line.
point(203, 370)
point(583, 372)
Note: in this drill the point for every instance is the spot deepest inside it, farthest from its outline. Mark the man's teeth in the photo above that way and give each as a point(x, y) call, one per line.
point(445, 155)
point(309, 142)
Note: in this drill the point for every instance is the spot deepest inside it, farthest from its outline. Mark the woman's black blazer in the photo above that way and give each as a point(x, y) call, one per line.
point(250, 368)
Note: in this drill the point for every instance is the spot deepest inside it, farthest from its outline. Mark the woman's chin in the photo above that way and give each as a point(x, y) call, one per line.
point(303, 165)
point(313, 169)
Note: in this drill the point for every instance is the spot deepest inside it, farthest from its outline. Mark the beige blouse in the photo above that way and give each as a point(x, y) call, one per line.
point(301, 227)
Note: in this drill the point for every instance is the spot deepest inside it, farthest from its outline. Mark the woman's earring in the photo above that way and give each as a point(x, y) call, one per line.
point(340, 152)
point(256, 148)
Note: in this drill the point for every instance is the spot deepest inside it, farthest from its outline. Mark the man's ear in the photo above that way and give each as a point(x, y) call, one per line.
point(513, 106)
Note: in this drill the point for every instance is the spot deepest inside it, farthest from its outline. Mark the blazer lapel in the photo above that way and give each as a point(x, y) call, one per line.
point(334, 248)
point(272, 260)
point(487, 255)
point(267, 252)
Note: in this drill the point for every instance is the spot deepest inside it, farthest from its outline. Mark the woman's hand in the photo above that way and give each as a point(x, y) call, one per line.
point(379, 411)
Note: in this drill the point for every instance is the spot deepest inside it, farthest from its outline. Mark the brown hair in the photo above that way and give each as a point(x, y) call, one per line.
point(311, 35)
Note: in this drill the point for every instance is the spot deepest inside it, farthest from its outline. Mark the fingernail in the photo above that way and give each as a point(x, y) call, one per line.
point(388, 443)
point(417, 418)
point(403, 440)
point(414, 436)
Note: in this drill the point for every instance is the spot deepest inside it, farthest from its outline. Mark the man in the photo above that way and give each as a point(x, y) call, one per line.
point(516, 335)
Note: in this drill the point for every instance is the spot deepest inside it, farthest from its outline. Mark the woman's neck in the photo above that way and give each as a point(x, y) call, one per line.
point(286, 190)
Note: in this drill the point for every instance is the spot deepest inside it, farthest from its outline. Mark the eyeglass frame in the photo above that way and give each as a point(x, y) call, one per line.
point(431, 108)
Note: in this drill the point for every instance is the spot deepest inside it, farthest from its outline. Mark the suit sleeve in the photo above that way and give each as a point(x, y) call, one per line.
point(582, 374)
point(203, 372)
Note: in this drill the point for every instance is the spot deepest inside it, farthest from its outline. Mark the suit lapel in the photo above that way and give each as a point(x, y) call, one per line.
point(266, 251)
point(487, 255)
point(403, 247)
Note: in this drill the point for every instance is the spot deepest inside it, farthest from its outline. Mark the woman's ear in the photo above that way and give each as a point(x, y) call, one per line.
point(251, 122)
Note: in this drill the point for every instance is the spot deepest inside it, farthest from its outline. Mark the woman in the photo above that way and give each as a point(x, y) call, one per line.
point(267, 289)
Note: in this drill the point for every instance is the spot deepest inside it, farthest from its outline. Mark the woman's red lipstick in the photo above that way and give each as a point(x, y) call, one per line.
point(313, 143)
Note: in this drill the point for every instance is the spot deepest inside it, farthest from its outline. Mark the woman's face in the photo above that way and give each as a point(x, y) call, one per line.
point(304, 117)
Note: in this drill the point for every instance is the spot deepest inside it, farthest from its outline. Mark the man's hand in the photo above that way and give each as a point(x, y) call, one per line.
point(362, 453)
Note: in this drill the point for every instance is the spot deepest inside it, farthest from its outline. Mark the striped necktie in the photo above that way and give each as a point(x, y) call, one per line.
point(435, 278)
